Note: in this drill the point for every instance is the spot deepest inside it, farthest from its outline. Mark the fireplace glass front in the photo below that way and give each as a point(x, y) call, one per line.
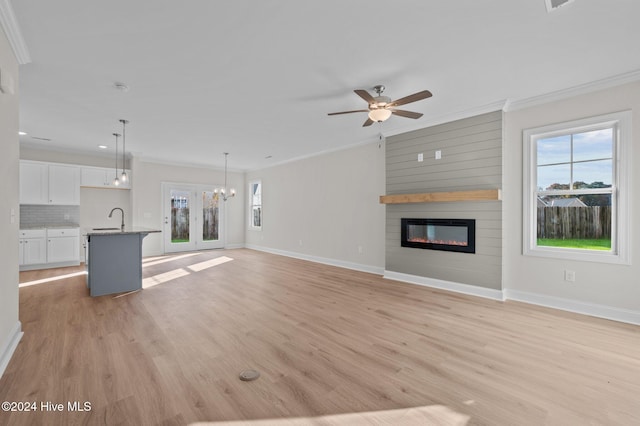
point(439, 234)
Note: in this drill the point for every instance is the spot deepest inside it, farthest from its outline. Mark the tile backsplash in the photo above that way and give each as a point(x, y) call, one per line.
point(44, 215)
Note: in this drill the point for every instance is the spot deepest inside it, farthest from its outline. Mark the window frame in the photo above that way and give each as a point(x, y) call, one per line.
point(620, 190)
point(251, 205)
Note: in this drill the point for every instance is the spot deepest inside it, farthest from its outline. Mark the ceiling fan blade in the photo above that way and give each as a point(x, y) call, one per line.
point(408, 114)
point(369, 122)
point(365, 95)
point(411, 98)
point(348, 112)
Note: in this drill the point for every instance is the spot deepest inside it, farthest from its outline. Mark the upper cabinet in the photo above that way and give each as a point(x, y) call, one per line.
point(64, 184)
point(34, 183)
point(48, 183)
point(100, 177)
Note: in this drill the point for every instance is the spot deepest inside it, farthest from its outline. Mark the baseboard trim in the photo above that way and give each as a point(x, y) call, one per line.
point(326, 261)
point(10, 346)
point(585, 308)
point(234, 246)
point(472, 290)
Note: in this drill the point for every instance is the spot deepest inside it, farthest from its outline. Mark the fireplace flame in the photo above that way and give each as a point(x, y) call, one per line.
point(442, 242)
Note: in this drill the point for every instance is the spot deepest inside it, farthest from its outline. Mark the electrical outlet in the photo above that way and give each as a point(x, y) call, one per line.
point(420, 157)
point(438, 155)
point(570, 276)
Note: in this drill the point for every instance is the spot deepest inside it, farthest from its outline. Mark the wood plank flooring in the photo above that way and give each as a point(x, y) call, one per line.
point(333, 346)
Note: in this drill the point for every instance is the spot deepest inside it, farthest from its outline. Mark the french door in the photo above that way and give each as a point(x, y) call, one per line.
point(192, 218)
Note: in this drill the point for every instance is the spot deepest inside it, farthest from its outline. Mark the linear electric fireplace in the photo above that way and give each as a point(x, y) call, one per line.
point(440, 234)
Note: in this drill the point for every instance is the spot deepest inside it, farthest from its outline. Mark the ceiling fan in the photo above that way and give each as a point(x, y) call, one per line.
point(381, 107)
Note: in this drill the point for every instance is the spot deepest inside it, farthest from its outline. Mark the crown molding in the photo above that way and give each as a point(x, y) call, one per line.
point(11, 28)
point(605, 83)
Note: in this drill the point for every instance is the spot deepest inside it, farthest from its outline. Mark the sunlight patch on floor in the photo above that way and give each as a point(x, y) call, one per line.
point(197, 267)
point(169, 259)
point(56, 278)
point(415, 416)
point(163, 278)
point(181, 272)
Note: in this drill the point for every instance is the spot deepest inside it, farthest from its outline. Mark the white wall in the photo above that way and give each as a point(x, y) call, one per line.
point(95, 205)
point(325, 208)
point(606, 289)
point(10, 328)
point(147, 199)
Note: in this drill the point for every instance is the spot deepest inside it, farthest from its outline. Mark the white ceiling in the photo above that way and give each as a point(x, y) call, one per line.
point(257, 78)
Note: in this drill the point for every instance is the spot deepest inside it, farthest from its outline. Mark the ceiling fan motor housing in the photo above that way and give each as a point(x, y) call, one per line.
point(380, 102)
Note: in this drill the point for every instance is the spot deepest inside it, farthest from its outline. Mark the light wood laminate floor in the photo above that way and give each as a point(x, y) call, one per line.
point(327, 341)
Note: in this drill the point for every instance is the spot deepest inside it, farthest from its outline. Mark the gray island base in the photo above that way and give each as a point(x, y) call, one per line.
point(114, 261)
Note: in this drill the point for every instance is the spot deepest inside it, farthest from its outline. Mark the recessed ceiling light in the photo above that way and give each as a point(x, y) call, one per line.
point(121, 86)
point(102, 146)
point(21, 133)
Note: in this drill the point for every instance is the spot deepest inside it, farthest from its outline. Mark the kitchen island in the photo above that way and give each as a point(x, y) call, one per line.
point(114, 259)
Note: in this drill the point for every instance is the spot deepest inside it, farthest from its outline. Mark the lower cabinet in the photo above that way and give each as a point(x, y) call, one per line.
point(63, 245)
point(44, 248)
point(33, 247)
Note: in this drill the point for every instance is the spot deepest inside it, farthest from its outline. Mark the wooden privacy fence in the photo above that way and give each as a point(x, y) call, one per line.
point(180, 223)
point(592, 222)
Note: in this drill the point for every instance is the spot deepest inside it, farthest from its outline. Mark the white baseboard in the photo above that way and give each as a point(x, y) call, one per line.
point(234, 246)
point(9, 346)
point(472, 290)
point(326, 261)
point(591, 309)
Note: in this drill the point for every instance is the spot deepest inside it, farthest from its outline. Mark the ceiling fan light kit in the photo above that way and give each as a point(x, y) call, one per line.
point(380, 108)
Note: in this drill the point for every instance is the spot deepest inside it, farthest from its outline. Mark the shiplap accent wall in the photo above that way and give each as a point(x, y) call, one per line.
point(471, 159)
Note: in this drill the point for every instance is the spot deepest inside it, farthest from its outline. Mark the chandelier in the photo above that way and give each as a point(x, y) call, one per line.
point(223, 192)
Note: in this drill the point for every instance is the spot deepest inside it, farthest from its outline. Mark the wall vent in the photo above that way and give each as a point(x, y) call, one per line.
point(555, 4)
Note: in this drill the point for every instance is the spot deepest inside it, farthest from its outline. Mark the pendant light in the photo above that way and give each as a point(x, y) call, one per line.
point(116, 181)
point(222, 192)
point(123, 176)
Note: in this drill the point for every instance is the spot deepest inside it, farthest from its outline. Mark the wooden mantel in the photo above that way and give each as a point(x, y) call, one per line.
point(438, 197)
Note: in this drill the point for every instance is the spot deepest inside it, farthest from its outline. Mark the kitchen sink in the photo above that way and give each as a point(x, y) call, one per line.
point(106, 229)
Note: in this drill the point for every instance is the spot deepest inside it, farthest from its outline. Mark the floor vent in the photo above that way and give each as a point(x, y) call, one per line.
point(555, 4)
point(249, 375)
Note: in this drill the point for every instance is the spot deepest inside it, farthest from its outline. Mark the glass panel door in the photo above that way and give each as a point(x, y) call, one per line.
point(192, 218)
point(211, 233)
point(178, 219)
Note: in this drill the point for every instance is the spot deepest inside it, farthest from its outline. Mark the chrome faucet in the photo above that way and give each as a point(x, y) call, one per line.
point(121, 211)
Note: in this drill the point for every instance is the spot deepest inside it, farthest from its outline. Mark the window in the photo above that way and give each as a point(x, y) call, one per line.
point(576, 191)
point(255, 205)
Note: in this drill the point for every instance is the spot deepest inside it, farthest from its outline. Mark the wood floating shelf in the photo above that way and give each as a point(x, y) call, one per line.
point(440, 197)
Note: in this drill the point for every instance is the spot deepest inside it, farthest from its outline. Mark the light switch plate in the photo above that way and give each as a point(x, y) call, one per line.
point(420, 157)
point(438, 155)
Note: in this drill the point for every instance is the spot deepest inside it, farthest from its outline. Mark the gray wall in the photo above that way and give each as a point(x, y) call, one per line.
point(10, 327)
point(471, 159)
point(325, 208)
point(147, 209)
point(599, 287)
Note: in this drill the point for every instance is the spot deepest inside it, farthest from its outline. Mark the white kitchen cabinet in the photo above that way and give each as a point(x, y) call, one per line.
point(33, 248)
point(34, 183)
point(63, 245)
point(100, 177)
point(47, 183)
point(64, 184)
